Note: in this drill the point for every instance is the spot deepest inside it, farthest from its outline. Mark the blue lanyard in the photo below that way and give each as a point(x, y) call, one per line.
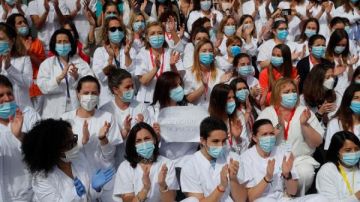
point(66, 80)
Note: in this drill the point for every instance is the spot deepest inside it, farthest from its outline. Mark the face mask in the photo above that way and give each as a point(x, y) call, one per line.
point(137, 26)
point(23, 31)
point(4, 47)
point(355, 107)
point(309, 32)
point(277, 61)
point(215, 151)
point(127, 96)
point(348, 30)
point(288, 100)
point(89, 102)
point(242, 94)
point(156, 41)
point(145, 149)
point(10, 2)
point(282, 34)
point(205, 5)
point(7, 109)
point(63, 49)
point(350, 158)
point(339, 49)
point(206, 58)
point(267, 143)
point(230, 107)
point(329, 83)
point(235, 50)
point(177, 94)
point(116, 37)
point(229, 30)
point(318, 51)
point(71, 155)
point(246, 70)
point(110, 15)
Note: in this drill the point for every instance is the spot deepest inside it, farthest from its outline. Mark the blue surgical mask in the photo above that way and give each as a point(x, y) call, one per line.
point(267, 143)
point(215, 151)
point(206, 58)
point(350, 158)
point(156, 41)
point(138, 26)
point(230, 107)
point(11, 2)
point(110, 15)
point(282, 34)
point(128, 95)
point(289, 100)
point(116, 37)
point(235, 50)
point(277, 61)
point(4, 47)
point(23, 31)
point(318, 51)
point(145, 149)
point(347, 29)
point(7, 109)
point(339, 49)
point(229, 30)
point(242, 94)
point(355, 107)
point(205, 5)
point(212, 33)
point(245, 71)
point(63, 49)
point(310, 32)
point(177, 94)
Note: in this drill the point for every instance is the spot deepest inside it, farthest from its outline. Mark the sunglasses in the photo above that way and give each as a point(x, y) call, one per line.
point(113, 29)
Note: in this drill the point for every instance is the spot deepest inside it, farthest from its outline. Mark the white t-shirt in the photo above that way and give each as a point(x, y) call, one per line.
point(129, 179)
point(296, 139)
point(144, 65)
point(330, 183)
point(200, 176)
point(334, 126)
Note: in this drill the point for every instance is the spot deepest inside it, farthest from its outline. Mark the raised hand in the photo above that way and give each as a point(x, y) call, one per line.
point(233, 170)
point(270, 169)
point(86, 133)
point(305, 115)
point(139, 118)
point(162, 176)
point(102, 177)
point(224, 176)
point(127, 47)
point(73, 71)
point(127, 123)
point(287, 165)
point(16, 123)
point(104, 130)
point(236, 128)
point(46, 6)
point(146, 177)
point(174, 58)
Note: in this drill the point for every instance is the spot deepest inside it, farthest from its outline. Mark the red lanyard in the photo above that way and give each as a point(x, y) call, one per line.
point(286, 130)
point(162, 62)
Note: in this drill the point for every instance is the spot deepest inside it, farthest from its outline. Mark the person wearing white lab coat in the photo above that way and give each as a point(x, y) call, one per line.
point(60, 170)
point(15, 180)
point(339, 178)
point(301, 132)
point(154, 59)
point(58, 75)
point(213, 173)
point(116, 51)
point(268, 170)
point(233, 47)
point(89, 123)
point(145, 175)
point(15, 64)
point(125, 109)
point(198, 34)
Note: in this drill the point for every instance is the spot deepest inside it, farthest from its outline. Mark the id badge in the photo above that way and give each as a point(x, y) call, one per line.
point(286, 146)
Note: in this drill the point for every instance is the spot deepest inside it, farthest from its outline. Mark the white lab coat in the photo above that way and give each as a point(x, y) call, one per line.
point(129, 179)
point(55, 94)
point(188, 56)
point(265, 50)
point(100, 62)
point(59, 187)
point(20, 74)
point(144, 65)
point(330, 183)
point(15, 180)
point(335, 126)
point(194, 15)
point(198, 175)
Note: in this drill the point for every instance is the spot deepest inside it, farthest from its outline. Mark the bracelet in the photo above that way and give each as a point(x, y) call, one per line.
point(218, 188)
point(267, 180)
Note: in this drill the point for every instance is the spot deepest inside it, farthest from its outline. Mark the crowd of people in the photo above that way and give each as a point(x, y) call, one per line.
point(84, 85)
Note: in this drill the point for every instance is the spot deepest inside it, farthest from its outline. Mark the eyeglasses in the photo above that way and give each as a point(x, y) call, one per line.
point(113, 29)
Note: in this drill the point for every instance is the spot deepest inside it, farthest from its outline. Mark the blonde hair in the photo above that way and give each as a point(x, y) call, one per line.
point(132, 20)
point(275, 99)
point(223, 23)
point(233, 39)
point(196, 68)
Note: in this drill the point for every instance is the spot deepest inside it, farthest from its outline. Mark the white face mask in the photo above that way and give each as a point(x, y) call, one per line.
point(329, 83)
point(71, 155)
point(89, 102)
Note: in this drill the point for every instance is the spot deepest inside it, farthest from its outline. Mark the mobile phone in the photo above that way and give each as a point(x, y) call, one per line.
point(285, 12)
